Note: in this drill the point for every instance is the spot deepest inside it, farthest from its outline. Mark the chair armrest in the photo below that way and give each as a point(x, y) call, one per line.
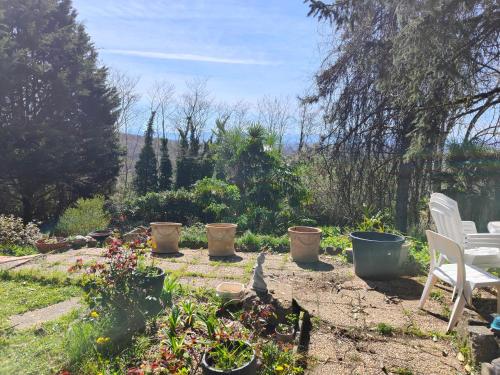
point(469, 227)
point(494, 226)
point(482, 240)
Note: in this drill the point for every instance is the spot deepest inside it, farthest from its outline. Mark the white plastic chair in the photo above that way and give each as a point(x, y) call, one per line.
point(447, 264)
point(480, 249)
point(494, 227)
point(468, 229)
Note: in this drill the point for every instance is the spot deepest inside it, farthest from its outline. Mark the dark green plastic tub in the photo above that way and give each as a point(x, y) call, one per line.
point(376, 255)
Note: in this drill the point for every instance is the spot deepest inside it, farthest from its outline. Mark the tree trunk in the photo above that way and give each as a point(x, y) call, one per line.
point(27, 208)
point(403, 185)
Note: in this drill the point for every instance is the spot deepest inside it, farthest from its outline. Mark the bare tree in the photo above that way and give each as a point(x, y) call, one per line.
point(161, 98)
point(274, 114)
point(126, 87)
point(193, 111)
point(307, 121)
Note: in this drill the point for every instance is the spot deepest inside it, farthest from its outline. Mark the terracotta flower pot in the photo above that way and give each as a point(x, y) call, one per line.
point(304, 243)
point(165, 237)
point(221, 239)
point(44, 247)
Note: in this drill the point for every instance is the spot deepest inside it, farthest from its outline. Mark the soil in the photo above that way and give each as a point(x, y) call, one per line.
point(345, 309)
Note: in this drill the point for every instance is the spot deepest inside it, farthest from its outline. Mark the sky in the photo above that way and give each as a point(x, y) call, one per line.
point(246, 49)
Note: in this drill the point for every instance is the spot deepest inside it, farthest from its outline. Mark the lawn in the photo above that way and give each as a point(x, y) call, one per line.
point(38, 350)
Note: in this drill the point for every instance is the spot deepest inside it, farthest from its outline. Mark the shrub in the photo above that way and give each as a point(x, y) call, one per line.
point(86, 216)
point(17, 250)
point(14, 232)
point(194, 237)
point(333, 236)
point(176, 205)
point(218, 199)
point(256, 242)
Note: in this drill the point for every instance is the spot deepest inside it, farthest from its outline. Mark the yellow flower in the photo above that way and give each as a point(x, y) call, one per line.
point(102, 340)
point(279, 368)
point(94, 314)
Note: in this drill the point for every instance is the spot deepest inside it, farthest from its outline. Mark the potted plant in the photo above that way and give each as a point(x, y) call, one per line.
point(285, 332)
point(44, 245)
point(231, 357)
point(148, 276)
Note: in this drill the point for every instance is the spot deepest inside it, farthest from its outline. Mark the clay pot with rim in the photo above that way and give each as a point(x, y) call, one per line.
point(165, 237)
point(221, 239)
point(304, 243)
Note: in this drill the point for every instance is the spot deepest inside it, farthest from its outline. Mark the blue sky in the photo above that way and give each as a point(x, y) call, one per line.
point(246, 49)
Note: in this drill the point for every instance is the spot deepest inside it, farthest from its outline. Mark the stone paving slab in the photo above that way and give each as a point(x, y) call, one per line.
point(345, 309)
point(36, 317)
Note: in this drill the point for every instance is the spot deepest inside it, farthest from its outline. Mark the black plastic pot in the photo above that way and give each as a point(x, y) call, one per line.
point(377, 255)
point(153, 285)
point(248, 369)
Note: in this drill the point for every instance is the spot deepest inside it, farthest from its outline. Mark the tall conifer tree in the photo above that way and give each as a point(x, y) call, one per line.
point(146, 173)
point(165, 178)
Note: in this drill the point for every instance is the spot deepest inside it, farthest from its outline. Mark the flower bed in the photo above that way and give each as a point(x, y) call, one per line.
point(179, 330)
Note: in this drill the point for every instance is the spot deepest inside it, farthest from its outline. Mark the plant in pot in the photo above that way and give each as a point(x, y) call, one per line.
point(46, 244)
point(285, 332)
point(234, 357)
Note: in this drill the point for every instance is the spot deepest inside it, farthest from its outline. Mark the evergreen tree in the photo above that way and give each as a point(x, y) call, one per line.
point(146, 173)
point(57, 112)
point(165, 179)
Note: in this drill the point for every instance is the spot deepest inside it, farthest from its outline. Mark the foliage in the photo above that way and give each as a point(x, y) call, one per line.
point(60, 142)
point(392, 94)
point(278, 360)
point(87, 215)
point(334, 237)
point(218, 199)
point(226, 356)
point(18, 250)
point(385, 329)
point(194, 237)
point(257, 242)
point(175, 205)
point(117, 290)
point(472, 177)
point(146, 173)
point(14, 232)
point(165, 172)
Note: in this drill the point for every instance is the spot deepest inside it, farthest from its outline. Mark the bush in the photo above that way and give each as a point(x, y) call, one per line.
point(250, 242)
point(219, 200)
point(17, 250)
point(194, 237)
point(176, 205)
point(14, 232)
point(86, 216)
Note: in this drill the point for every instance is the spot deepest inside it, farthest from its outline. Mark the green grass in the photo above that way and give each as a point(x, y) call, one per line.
point(20, 296)
point(35, 351)
point(17, 250)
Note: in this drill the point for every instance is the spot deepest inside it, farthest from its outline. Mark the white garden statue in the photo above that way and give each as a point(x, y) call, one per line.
point(259, 285)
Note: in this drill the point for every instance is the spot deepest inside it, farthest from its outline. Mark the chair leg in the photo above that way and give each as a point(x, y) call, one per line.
point(431, 280)
point(458, 308)
point(454, 294)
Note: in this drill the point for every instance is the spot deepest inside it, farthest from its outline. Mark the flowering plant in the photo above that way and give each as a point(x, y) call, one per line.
point(14, 232)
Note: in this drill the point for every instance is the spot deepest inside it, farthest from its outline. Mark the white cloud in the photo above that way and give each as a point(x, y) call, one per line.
point(187, 57)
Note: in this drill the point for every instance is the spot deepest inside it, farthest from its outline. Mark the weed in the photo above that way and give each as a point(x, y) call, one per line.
point(385, 329)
